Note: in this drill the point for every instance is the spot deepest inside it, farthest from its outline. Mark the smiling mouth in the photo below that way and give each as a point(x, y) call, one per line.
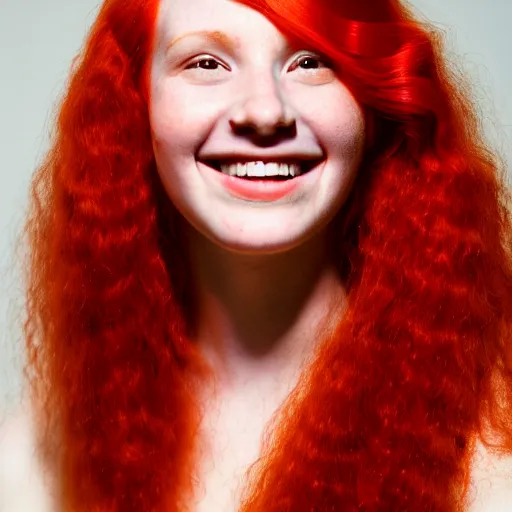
point(263, 171)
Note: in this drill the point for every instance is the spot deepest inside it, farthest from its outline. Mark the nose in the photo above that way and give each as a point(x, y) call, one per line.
point(262, 110)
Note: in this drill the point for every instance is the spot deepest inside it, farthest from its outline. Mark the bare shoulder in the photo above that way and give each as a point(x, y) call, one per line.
point(491, 481)
point(22, 485)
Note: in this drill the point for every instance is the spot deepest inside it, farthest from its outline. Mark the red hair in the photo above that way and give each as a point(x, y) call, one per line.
point(386, 415)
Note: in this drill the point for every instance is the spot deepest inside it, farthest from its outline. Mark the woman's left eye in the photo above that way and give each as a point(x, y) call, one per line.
point(308, 62)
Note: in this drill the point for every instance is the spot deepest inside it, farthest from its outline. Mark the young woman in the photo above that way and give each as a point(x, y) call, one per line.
point(270, 267)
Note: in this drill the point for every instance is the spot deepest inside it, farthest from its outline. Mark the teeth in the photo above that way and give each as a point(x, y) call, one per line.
point(261, 169)
point(286, 170)
point(238, 170)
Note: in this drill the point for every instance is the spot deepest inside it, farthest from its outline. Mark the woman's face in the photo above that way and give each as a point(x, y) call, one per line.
point(231, 96)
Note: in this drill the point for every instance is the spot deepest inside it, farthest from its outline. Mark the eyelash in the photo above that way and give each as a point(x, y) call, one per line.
point(195, 64)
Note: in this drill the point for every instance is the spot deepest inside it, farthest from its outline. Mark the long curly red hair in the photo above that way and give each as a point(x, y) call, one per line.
point(386, 415)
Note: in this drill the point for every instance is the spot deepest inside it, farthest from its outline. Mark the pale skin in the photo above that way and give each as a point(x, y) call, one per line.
point(264, 284)
point(258, 323)
point(261, 269)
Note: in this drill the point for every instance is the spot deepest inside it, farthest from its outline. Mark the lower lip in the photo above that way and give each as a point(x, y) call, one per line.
point(259, 190)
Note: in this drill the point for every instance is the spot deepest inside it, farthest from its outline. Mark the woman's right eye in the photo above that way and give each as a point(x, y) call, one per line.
point(206, 69)
point(206, 63)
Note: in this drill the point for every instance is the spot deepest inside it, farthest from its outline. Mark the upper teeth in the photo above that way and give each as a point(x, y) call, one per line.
point(261, 169)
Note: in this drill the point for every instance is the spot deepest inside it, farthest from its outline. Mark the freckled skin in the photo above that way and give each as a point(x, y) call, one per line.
point(249, 81)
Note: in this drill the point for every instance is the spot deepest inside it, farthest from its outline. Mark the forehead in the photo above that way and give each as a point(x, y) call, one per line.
point(177, 17)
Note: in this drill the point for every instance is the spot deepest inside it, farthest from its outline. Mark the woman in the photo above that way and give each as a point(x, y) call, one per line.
point(270, 266)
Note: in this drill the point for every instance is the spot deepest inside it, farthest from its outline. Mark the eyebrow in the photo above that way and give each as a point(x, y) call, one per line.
point(212, 35)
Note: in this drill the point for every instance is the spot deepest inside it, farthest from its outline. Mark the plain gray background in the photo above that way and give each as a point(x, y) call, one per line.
point(38, 40)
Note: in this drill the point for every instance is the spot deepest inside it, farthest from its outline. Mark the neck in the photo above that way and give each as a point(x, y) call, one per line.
point(260, 316)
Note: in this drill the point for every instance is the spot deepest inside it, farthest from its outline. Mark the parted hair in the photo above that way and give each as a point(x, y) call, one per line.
point(386, 415)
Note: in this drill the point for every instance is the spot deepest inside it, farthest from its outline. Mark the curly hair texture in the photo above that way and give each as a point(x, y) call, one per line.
point(386, 416)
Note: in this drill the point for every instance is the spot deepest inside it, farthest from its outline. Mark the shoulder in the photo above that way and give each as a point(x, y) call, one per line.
point(491, 481)
point(22, 484)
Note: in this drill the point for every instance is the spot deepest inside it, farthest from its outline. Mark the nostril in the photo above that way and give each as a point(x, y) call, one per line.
point(261, 133)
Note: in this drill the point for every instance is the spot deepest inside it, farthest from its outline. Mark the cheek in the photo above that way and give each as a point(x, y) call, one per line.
point(337, 120)
point(178, 121)
point(349, 139)
point(341, 131)
point(347, 127)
